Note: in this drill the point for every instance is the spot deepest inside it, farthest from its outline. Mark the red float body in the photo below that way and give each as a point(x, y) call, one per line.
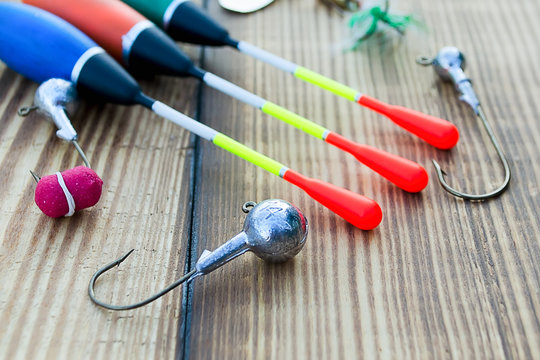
point(438, 132)
point(345, 203)
point(406, 174)
point(83, 184)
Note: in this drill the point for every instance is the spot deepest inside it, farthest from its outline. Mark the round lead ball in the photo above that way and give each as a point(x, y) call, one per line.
point(276, 230)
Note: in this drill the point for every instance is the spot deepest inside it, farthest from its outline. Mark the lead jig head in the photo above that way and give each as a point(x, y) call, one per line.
point(449, 64)
point(274, 230)
point(63, 193)
point(54, 99)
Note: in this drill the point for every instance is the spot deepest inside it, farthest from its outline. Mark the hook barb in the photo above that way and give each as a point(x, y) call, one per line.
point(92, 294)
point(507, 172)
point(449, 64)
point(35, 176)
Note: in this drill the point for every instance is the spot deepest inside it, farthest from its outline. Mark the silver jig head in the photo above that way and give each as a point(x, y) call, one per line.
point(274, 230)
point(53, 99)
point(449, 64)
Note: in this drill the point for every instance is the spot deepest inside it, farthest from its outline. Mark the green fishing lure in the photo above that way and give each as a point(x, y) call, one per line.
point(367, 20)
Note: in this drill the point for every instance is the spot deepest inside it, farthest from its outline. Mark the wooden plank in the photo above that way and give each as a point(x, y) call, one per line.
point(440, 277)
point(146, 165)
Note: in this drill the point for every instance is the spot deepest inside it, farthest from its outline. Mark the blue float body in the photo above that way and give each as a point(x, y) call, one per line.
point(38, 44)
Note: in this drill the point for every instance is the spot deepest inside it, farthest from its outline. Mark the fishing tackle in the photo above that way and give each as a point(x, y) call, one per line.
point(185, 21)
point(62, 194)
point(449, 64)
point(142, 47)
point(366, 22)
point(54, 99)
point(366, 18)
point(30, 36)
point(67, 192)
point(244, 6)
point(274, 230)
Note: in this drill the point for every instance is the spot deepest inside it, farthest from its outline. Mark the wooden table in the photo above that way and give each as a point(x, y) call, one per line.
point(439, 278)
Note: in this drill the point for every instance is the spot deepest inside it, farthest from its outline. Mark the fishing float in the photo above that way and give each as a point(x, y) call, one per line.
point(143, 48)
point(41, 46)
point(186, 22)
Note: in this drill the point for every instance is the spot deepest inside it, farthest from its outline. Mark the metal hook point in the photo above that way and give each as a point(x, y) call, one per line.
point(35, 176)
point(507, 172)
point(449, 64)
point(117, 262)
point(438, 168)
point(274, 230)
point(121, 260)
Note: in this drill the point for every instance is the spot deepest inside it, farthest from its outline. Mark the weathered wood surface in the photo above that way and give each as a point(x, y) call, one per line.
point(440, 278)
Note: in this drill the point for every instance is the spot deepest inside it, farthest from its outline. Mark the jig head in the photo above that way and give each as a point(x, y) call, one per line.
point(449, 64)
point(54, 99)
point(274, 230)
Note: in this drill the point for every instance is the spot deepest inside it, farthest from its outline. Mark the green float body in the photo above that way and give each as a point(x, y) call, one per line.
point(184, 21)
point(153, 10)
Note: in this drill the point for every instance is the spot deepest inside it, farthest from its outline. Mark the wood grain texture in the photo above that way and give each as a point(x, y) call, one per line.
point(45, 264)
point(440, 277)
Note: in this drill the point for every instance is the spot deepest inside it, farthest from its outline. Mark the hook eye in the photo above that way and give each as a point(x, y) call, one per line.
point(424, 60)
point(24, 111)
point(246, 208)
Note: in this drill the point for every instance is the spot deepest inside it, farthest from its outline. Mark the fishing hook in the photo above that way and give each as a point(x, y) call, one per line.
point(274, 230)
point(117, 262)
point(449, 64)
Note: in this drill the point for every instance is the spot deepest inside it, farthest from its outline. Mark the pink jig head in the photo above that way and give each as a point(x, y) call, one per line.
point(64, 193)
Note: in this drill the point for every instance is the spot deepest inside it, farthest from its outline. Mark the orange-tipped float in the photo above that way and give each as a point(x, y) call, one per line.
point(359, 210)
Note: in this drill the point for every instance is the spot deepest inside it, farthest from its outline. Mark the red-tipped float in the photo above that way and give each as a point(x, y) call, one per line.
point(359, 210)
point(406, 174)
point(438, 132)
point(187, 22)
point(154, 53)
point(71, 55)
